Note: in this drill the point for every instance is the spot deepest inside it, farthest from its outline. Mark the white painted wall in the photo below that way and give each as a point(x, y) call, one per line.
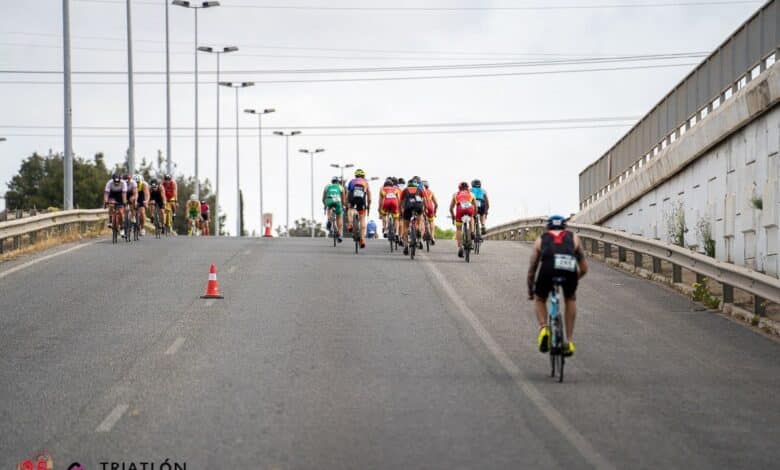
point(719, 186)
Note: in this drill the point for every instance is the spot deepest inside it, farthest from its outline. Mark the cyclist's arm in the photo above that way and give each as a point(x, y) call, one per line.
point(582, 263)
point(435, 203)
point(324, 192)
point(487, 203)
point(533, 266)
point(452, 209)
point(147, 195)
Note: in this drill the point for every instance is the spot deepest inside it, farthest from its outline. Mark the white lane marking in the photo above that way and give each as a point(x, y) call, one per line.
point(175, 346)
point(44, 258)
point(209, 302)
point(231, 270)
point(246, 252)
point(112, 418)
point(534, 395)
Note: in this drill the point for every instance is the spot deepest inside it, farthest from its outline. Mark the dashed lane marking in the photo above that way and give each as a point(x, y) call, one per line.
point(567, 430)
point(112, 418)
point(44, 258)
point(175, 346)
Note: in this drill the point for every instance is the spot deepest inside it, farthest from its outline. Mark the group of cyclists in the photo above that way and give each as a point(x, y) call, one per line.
point(160, 198)
point(399, 203)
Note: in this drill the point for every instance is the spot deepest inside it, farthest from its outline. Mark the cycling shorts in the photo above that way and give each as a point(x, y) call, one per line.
point(390, 206)
point(460, 212)
point(430, 210)
point(481, 207)
point(409, 212)
point(358, 203)
point(544, 285)
point(335, 204)
point(116, 198)
point(194, 214)
point(204, 216)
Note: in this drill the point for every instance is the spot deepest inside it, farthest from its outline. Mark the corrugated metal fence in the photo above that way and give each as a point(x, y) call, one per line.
point(743, 56)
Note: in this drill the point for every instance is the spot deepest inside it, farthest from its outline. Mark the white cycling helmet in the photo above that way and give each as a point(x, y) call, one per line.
point(138, 178)
point(193, 197)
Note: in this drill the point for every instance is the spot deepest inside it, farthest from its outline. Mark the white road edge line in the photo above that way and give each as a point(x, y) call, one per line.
point(175, 346)
point(44, 258)
point(537, 398)
point(112, 418)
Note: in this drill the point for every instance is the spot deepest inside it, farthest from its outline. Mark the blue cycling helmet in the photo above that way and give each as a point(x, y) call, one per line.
point(556, 222)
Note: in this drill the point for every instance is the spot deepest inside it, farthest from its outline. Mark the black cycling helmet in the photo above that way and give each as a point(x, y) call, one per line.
point(394, 180)
point(154, 182)
point(556, 222)
point(401, 181)
point(335, 180)
point(389, 182)
point(167, 177)
point(476, 183)
point(463, 186)
point(115, 177)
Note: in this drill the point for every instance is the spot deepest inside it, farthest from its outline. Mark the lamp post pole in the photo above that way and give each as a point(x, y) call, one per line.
point(287, 175)
point(259, 115)
point(68, 110)
point(130, 100)
point(237, 86)
point(195, 8)
point(311, 153)
point(218, 53)
point(168, 158)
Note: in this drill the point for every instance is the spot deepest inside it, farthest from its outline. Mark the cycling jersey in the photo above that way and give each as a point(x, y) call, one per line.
point(481, 199)
point(157, 196)
point(170, 190)
point(141, 194)
point(464, 205)
point(558, 259)
point(430, 207)
point(358, 193)
point(115, 191)
point(333, 194)
point(412, 202)
point(478, 193)
point(193, 209)
point(390, 201)
point(204, 211)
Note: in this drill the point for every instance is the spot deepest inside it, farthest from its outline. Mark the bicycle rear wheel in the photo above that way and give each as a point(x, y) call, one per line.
point(356, 231)
point(466, 243)
point(412, 239)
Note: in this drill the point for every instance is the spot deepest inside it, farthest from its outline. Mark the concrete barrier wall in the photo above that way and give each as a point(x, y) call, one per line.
point(719, 181)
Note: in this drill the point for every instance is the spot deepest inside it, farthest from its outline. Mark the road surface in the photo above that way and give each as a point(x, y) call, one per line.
point(318, 358)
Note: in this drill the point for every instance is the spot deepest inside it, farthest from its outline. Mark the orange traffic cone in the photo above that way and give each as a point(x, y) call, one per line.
point(212, 288)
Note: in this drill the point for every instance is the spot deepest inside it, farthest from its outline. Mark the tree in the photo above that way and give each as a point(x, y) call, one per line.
point(303, 229)
point(39, 183)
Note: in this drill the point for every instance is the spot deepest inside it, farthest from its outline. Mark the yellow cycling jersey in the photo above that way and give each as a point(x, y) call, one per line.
point(193, 207)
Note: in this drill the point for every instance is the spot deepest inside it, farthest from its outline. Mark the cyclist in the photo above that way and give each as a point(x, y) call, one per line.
point(360, 201)
point(371, 229)
point(171, 195)
point(431, 208)
point(193, 214)
point(334, 199)
point(483, 204)
point(557, 253)
point(157, 194)
point(132, 194)
point(204, 218)
point(142, 201)
point(116, 194)
point(389, 205)
point(411, 204)
point(462, 204)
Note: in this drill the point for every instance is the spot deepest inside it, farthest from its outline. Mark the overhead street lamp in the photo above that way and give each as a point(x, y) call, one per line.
point(2, 139)
point(260, 149)
point(287, 174)
point(311, 154)
point(237, 86)
point(341, 167)
point(195, 6)
point(217, 52)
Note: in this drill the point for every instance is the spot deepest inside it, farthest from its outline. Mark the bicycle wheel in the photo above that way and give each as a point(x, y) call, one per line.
point(466, 243)
point(114, 229)
point(412, 238)
point(333, 230)
point(356, 232)
point(391, 233)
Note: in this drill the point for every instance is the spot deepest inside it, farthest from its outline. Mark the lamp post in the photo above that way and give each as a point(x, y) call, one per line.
point(237, 86)
point(311, 154)
point(67, 197)
point(130, 100)
point(168, 160)
point(341, 167)
point(287, 174)
point(195, 6)
point(217, 52)
point(260, 150)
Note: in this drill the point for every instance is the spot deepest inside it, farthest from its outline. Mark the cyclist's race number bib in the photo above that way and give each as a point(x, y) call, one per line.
point(465, 205)
point(565, 263)
point(358, 192)
point(479, 202)
point(390, 196)
point(418, 199)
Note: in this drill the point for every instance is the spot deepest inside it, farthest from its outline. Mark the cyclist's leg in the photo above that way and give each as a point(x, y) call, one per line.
point(363, 225)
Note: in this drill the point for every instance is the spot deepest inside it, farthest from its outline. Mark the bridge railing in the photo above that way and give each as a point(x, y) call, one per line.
point(18, 233)
point(600, 240)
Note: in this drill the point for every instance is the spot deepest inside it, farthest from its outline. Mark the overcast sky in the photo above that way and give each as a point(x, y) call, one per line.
point(526, 172)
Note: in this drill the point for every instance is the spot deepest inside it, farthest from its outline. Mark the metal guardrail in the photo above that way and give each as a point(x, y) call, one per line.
point(746, 53)
point(32, 229)
point(599, 239)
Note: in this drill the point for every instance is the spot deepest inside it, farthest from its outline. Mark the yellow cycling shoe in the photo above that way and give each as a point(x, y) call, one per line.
point(544, 339)
point(570, 349)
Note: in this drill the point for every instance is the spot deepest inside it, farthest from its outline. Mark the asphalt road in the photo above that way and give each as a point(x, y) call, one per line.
point(318, 358)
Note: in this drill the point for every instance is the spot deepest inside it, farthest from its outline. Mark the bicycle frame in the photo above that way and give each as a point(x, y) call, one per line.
point(556, 320)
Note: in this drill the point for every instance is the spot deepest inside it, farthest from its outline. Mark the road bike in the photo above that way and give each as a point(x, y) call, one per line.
point(466, 237)
point(414, 234)
point(391, 235)
point(356, 230)
point(477, 235)
point(127, 223)
point(557, 324)
point(168, 218)
point(334, 231)
point(157, 220)
point(192, 225)
point(427, 233)
point(113, 216)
